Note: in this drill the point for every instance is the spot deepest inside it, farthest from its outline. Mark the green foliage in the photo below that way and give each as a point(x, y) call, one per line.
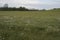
point(30, 25)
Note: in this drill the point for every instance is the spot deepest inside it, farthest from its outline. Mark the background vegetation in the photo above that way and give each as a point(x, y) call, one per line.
point(6, 8)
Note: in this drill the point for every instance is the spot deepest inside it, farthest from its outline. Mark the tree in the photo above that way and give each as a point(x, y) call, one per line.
point(5, 6)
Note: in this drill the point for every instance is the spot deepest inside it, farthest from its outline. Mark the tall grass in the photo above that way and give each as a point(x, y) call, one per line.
point(30, 25)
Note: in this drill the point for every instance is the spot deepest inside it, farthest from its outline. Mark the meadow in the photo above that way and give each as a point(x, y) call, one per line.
point(30, 25)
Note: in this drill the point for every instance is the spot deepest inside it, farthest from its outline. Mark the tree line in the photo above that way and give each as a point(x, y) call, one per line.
point(6, 8)
point(16, 9)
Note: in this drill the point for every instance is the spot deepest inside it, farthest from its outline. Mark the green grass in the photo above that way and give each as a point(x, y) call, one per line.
point(30, 25)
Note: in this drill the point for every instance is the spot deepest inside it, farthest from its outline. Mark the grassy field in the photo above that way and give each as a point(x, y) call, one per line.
point(30, 25)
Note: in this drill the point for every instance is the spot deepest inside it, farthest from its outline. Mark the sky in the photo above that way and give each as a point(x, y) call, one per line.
point(37, 4)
